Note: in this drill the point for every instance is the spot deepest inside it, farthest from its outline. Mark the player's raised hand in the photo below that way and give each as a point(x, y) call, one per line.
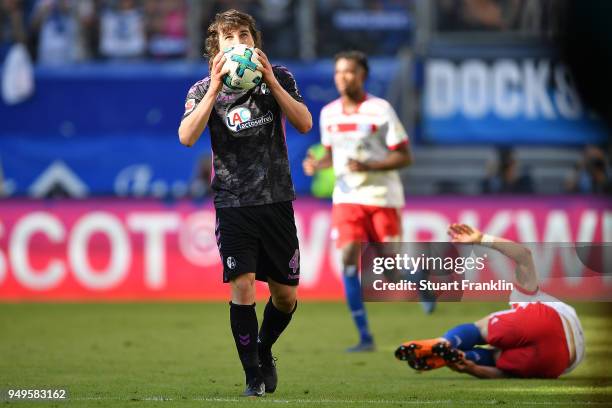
point(463, 233)
point(265, 67)
point(217, 71)
point(309, 164)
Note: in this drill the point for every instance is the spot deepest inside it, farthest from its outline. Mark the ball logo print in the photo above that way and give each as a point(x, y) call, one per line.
point(231, 262)
point(243, 67)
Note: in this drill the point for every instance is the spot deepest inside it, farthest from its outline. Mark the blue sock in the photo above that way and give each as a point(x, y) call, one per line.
point(481, 356)
point(464, 337)
point(352, 289)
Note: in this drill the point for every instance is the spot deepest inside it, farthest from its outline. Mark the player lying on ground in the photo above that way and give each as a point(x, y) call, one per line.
point(539, 337)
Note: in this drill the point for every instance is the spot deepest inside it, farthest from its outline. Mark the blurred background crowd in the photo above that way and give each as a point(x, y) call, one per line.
point(67, 31)
point(463, 150)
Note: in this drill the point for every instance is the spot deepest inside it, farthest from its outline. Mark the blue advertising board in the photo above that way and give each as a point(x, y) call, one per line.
point(503, 95)
point(111, 129)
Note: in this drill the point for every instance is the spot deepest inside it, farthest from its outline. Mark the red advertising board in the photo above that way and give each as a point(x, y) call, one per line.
point(148, 250)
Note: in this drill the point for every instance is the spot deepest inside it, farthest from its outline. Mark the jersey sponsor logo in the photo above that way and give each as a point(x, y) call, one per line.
point(240, 118)
point(190, 105)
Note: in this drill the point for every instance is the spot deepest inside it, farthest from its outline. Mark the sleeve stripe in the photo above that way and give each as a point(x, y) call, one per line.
point(397, 146)
point(525, 291)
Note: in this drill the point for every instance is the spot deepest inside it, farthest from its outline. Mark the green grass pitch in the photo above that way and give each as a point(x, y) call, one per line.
point(181, 354)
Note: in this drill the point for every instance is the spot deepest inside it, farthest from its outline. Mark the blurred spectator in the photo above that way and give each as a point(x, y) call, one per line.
point(376, 27)
point(506, 176)
point(167, 27)
point(58, 32)
point(469, 15)
point(220, 6)
point(86, 14)
point(592, 174)
point(276, 19)
point(12, 25)
point(524, 16)
point(122, 31)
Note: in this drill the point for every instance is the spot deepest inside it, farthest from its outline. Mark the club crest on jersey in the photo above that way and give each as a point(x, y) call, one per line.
point(231, 262)
point(189, 105)
point(240, 118)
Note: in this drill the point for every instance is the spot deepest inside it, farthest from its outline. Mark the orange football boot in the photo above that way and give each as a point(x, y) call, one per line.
point(415, 349)
point(427, 363)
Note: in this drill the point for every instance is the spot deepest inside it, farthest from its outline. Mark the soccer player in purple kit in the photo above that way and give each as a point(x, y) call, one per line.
point(253, 190)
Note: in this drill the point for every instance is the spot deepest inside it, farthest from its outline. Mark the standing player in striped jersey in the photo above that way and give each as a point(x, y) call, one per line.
point(368, 145)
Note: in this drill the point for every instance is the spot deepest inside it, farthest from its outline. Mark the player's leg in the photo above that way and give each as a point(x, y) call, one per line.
point(279, 261)
point(483, 326)
point(352, 290)
point(237, 242)
point(464, 336)
point(503, 330)
point(449, 346)
point(243, 321)
point(277, 316)
point(387, 227)
point(482, 356)
point(350, 224)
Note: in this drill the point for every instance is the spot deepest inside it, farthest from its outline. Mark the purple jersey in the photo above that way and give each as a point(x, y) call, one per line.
point(250, 161)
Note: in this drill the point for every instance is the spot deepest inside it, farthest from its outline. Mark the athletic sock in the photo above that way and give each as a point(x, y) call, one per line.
point(243, 320)
point(352, 289)
point(481, 356)
point(464, 336)
point(274, 323)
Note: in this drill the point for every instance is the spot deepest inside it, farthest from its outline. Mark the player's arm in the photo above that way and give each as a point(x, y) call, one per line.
point(399, 154)
point(395, 159)
point(192, 126)
point(478, 371)
point(312, 165)
point(296, 112)
point(526, 275)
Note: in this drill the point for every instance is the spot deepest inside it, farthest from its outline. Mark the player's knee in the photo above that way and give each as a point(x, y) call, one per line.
point(286, 302)
point(483, 327)
point(350, 254)
point(244, 285)
point(349, 270)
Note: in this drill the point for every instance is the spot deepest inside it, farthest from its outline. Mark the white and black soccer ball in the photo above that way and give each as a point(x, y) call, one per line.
point(243, 65)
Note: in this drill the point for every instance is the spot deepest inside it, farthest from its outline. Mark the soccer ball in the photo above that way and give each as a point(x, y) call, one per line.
point(243, 65)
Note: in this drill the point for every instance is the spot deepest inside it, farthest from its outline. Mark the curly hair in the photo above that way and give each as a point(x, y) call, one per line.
point(226, 21)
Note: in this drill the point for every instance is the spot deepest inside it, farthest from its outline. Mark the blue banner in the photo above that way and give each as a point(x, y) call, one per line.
point(111, 129)
point(507, 96)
